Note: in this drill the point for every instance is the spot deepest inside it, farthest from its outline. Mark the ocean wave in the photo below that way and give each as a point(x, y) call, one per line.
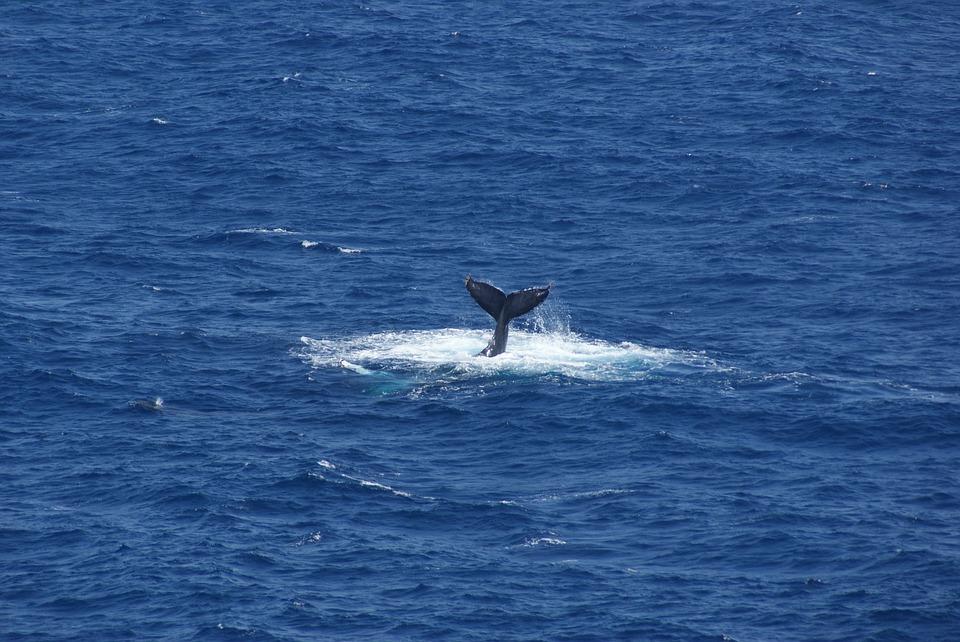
point(346, 475)
point(328, 247)
point(261, 230)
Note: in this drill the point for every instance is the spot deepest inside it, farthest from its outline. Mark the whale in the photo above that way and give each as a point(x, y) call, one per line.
point(147, 404)
point(504, 308)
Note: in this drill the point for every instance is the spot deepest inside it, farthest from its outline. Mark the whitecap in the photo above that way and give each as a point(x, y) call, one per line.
point(574, 496)
point(552, 540)
point(261, 230)
point(310, 245)
point(340, 476)
point(312, 538)
point(379, 486)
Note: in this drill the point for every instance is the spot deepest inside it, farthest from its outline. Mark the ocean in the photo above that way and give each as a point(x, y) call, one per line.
point(239, 390)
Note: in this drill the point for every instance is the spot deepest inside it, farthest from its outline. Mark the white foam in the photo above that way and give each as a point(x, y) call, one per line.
point(379, 486)
point(451, 352)
point(261, 230)
point(312, 538)
point(575, 496)
point(343, 250)
point(531, 542)
point(340, 476)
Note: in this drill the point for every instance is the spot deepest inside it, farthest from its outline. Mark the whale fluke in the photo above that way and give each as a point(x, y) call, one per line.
point(504, 308)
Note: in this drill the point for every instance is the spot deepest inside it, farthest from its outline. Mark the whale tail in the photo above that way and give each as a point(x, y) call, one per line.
point(504, 308)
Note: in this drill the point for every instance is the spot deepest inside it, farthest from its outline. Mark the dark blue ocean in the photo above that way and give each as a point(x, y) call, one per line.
point(238, 392)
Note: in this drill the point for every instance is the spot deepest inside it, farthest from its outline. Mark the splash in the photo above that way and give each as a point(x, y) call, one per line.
point(422, 356)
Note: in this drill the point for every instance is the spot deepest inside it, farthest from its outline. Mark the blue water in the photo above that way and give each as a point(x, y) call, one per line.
point(737, 417)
